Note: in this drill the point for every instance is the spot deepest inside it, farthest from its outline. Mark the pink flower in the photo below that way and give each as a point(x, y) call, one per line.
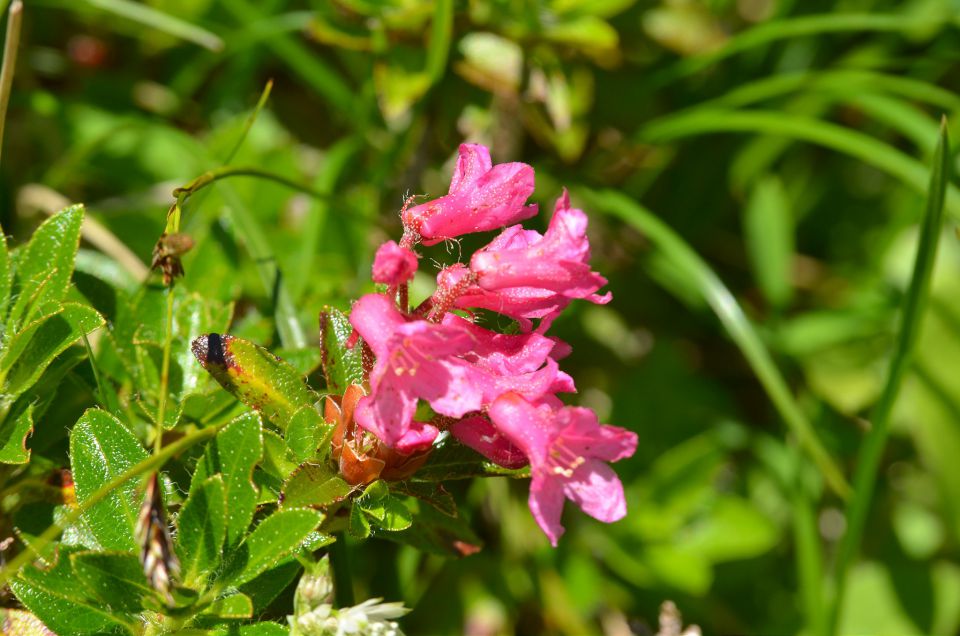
point(567, 449)
point(482, 197)
point(479, 434)
point(520, 303)
point(415, 360)
point(558, 261)
point(393, 265)
point(525, 275)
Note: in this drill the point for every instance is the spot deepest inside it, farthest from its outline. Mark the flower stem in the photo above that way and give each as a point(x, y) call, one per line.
point(14, 19)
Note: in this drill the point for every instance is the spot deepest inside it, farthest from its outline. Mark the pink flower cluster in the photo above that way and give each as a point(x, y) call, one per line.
point(495, 392)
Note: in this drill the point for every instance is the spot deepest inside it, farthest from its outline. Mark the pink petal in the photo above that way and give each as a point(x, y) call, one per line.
point(528, 426)
point(598, 491)
point(419, 436)
point(472, 162)
point(586, 437)
point(479, 434)
point(376, 318)
point(546, 504)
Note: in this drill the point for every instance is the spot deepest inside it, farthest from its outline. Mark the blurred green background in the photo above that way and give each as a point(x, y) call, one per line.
point(787, 142)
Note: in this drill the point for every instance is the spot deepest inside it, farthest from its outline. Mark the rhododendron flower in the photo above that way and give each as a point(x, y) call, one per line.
point(482, 197)
point(393, 265)
point(557, 261)
point(415, 359)
point(567, 449)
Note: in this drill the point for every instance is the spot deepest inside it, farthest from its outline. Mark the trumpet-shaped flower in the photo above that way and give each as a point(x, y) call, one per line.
point(482, 197)
point(568, 450)
point(416, 359)
point(558, 261)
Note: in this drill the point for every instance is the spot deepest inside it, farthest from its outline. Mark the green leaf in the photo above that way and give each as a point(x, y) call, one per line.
point(452, 460)
point(428, 492)
point(13, 437)
point(153, 19)
point(58, 598)
point(359, 525)
point(101, 449)
point(305, 432)
point(388, 512)
point(275, 538)
point(233, 454)
point(871, 451)
point(341, 366)
point(33, 349)
point(45, 264)
point(314, 485)
point(768, 230)
point(254, 376)
point(116, 579)
point(201, 529)
point(235, 605)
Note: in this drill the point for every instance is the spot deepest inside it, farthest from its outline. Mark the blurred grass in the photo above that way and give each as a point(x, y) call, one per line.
point(787, 143)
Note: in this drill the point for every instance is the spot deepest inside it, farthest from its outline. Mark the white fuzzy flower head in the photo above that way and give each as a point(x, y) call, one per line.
point(370, 618)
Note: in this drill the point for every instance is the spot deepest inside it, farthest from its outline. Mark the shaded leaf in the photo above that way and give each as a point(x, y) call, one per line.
point(235, 605)
point(116, 579)
point(453, 460)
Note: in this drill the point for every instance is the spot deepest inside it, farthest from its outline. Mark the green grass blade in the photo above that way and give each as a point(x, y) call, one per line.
point(150, 17)
point(10, 45)
point(871, 450)
point(803, 26)
point(441, 33)
point(863, 147)
point(841, 81)
point(731, 316)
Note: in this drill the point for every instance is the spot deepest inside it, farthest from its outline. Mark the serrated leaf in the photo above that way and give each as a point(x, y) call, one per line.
point(263, 589)
point(359, 525)
point(235, 605)
point(259, 629)
point(45, 264)
point(233, 453)
point(201, 529)
point(341, 366)
point(314, 485)
point(275, 538)
point(304, 432)
point(453, 460)
point(13, 437)
point(33, 349)
point(101, 448)
point(254, 376)
point(116, 579)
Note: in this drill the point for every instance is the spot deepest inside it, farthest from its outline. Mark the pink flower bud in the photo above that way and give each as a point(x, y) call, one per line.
point(393, 265)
